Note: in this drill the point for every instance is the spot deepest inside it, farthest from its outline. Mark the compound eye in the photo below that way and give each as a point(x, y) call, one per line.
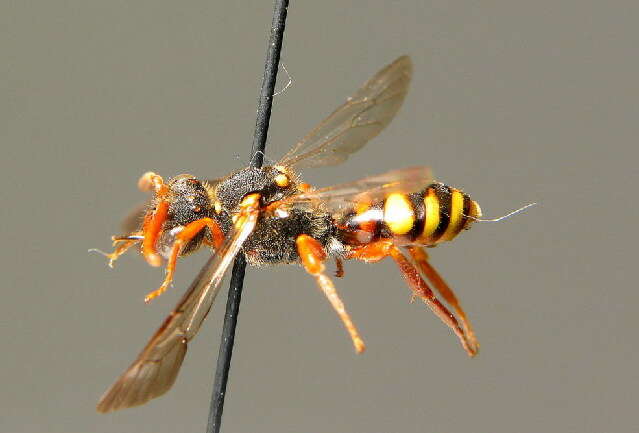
point(282, 180)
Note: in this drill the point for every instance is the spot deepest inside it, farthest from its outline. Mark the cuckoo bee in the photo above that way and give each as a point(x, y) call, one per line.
point(271, 217)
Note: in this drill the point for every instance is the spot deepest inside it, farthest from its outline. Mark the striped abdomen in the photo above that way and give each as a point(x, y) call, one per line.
point(436, 214)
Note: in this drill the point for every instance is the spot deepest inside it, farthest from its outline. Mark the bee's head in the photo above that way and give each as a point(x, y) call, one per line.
point(188, 200)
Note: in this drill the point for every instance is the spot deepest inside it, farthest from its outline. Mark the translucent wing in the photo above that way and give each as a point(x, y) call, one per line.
point(155, 369)
point(359, 119)
point(364, 191)
point(133, 220)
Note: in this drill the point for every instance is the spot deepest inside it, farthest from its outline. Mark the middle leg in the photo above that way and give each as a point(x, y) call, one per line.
point(313, 255)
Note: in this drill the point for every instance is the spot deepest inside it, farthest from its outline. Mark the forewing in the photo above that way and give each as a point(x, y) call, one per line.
point(367, 190)
point(359, 119)
point(133, 221)
point(157, 366)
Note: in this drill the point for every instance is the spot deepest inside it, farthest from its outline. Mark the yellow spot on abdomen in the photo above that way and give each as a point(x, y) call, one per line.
point(431, 213)
point(398, 214)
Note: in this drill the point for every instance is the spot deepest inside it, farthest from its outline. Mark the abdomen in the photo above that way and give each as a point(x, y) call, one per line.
point(436, 214)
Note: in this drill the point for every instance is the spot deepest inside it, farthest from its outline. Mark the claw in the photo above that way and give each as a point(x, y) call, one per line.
point(155, 293)
point(107, 255)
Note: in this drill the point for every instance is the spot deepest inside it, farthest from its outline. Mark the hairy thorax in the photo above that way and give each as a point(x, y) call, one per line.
point(273, 240)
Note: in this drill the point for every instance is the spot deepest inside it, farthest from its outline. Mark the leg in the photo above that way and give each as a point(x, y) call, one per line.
point(372, 253)
point(420, 256)
point(419, 286)
point(188, 232)
point(312, 255)
point(122, 244)
point(339, 272)
point(153, 221)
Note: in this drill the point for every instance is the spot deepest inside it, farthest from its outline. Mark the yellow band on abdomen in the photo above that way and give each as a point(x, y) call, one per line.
point(456, 213)
point(431, 214)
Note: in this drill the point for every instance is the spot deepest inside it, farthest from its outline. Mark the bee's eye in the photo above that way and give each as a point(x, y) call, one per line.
point(282, 180)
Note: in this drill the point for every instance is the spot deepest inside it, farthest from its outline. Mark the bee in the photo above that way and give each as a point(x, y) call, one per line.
point(272, 217)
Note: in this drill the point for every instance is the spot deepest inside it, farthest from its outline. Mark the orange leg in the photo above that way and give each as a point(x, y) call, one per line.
point(374, 252)
point(313, 255)
point(420, 256)
point(188, 232)
point(153, 221)
point(122, 244)
point(339, 272)
point(419, 286)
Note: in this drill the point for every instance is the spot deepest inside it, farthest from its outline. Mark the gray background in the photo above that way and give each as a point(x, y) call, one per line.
point(513, 101)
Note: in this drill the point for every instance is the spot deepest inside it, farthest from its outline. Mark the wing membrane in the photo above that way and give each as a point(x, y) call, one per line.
point(355, 122)
point(133, 220)
point(157, 366)
point(366, 190)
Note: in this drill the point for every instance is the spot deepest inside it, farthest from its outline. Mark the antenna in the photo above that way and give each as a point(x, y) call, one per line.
point(494, 220)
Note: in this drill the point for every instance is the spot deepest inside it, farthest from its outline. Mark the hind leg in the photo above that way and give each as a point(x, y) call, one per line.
point(421, 289)
point(420, 256)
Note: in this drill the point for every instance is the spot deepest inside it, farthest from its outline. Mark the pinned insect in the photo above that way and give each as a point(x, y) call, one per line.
point(272, 217)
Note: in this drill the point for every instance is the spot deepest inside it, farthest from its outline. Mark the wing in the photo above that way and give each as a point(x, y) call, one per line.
point(359, 119)
point(364, 191)
point(133, 221)
point(155, 369)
